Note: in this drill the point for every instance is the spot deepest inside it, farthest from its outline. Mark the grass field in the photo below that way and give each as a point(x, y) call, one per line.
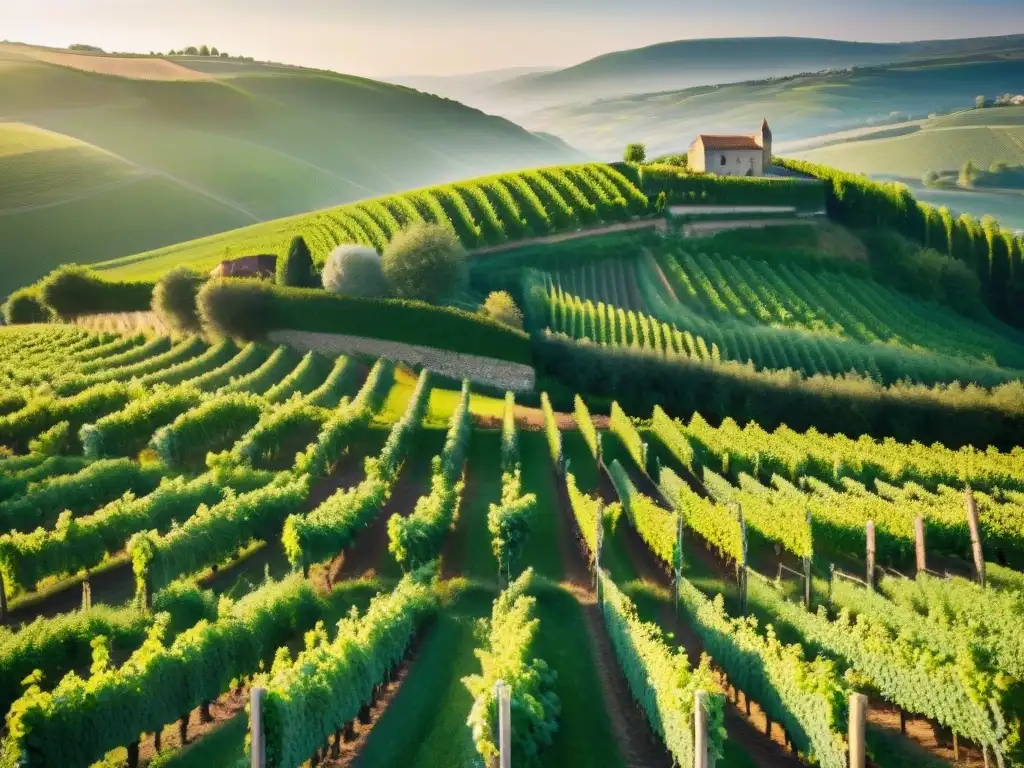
point(211, 154)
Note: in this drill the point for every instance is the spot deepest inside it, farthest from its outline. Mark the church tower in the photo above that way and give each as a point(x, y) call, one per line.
point(764, 140)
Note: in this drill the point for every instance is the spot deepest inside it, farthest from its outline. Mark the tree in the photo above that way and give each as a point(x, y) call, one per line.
point(26, 306)
point(635, 153)
point(224, 54)
point(204, 51)
point(214, 52)
point(968, 173)
point(661, 202)
point(174, 299)
point(502, 307)
point(191, 51)
point(296, 267)
point(427, 262)
point(931, 178)
point(979, 102)
point(355, 270)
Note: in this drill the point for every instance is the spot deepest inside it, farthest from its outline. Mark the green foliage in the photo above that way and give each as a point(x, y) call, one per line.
point(53, 441)
point(127, 431)
point(621, 426)
point(509, 655)
point(510, 522)
point(355, 270)
point(808, 698)
point(509, 435)
point(26, 306)
point(416, 539)
point(236, 308)
point(72, 290)
point(93, 486)
point(174, 299)
point(501, 307)
point(656, 526)
point(952, 414)
point(209, 426)
point(296, 268)
point(660, 678)
point(588, 512)
point(586, 427)
point(326, 685)
point(214, 533)
point(425, 262)
point(83, 718)
point(334, 524)
point(635, 153)
point(551, 430)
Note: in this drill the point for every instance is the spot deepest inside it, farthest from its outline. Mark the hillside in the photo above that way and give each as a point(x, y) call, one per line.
point(908, 151)
point(799, 107)
point(688, 63)
point(165, 151)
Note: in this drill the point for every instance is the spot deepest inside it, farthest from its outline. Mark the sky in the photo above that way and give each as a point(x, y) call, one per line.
point(380, 38)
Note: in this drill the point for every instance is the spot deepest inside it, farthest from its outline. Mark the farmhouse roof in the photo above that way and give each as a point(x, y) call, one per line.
point(721, 141)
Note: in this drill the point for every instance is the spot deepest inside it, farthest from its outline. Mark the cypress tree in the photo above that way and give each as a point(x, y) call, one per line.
point(296, 268)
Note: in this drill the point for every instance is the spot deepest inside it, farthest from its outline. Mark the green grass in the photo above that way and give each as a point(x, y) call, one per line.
point(442, 401)
point(214, 155)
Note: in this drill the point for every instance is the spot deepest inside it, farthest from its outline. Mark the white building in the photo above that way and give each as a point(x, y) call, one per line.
point(733, 155)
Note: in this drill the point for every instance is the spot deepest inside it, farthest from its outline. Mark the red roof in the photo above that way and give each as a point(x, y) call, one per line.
point(712, 141)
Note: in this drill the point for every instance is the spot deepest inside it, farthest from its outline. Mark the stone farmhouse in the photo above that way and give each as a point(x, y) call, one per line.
point(728, 155)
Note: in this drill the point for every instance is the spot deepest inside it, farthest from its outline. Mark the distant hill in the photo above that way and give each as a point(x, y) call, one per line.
point(798, 107)
point(113, 155)
point(688, 63)
point(467, 86)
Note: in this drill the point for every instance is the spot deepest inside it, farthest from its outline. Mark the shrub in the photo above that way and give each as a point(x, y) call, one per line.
point(296, 268)
point(635, 153)
point(72, 290)
point(236, 308)
point(174, 299)
point(502, 307)
point(355, 270)
point(427, 262)
point(26, 306)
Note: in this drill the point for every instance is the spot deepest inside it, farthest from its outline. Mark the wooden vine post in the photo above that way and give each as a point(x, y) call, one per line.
point(972, 521)
point(701, 758)
point(743, 562)
point(858, 718)
point(871, 554)
point(504, 725)
point(86, 595)
point(922, 563)
point(258, 748)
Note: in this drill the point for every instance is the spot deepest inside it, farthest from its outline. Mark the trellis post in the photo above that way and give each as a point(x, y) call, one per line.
point(858, 718)
point(504, 725)
point(922, 564)
point(972, 521)
point(700, 730)
point(870, 530)
point(258, 744)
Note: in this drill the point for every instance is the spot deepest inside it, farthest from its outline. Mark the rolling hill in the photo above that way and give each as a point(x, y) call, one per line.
point(688, 63)
point(798, 107)
point(943, 144)
point(113, 155)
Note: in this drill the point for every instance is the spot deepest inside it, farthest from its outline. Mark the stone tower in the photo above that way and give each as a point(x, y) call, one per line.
point(764, 141)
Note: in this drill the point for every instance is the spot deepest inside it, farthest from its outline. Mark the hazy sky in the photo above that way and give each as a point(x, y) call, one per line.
point(392, 37)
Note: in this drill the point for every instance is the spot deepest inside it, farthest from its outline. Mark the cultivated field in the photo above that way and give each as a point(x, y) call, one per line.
point(118, 480)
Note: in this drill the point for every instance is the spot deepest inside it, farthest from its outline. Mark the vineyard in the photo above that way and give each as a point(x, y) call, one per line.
point(350, 556)
point(810, 318)
point(481, 212)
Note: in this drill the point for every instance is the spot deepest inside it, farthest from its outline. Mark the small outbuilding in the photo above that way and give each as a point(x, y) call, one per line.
point(259, 266)
point(733, 155)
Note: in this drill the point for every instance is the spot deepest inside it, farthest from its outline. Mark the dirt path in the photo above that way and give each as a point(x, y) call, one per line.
point(709, 228)
point(639, 746)
point(114, 586)
point(623, 226)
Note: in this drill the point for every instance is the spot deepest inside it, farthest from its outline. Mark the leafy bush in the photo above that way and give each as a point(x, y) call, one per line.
point(26, 306)
point(500, 306)
point(426, 262)
point(73, 290)
point(174, 299)
point(236, 308)
point(635, 153)
point(296, 268)
point(355, 270)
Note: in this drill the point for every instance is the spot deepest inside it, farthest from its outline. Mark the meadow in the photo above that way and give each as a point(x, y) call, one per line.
point(352, 589)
